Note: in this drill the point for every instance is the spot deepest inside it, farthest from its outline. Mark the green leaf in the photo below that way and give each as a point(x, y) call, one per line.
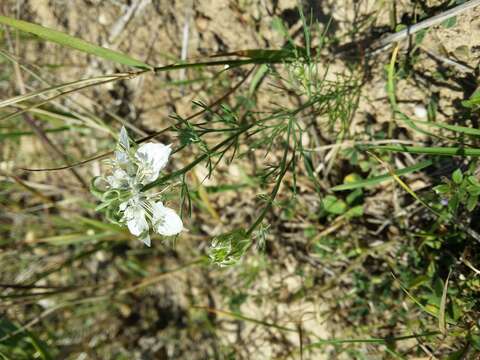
point(475, 341)
point(279, 26)
point(473, 101)
point(23, 341)
point(473, 180)
point(354, 196)
point(453, 203)
point(450, 22)
point(457, 176)
point(442, 189)
point(473, 190)
point(420, 36)
point(459, 354)
point(356, 211)
point(472, 203)
point(72, 42)
point(40, 346)
point(257, 78)
point(333, 205)
point(417, 281)
point(18, 134)
point(270, 55)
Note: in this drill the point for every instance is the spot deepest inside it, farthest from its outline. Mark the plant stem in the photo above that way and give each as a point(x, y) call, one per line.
point(197, 160)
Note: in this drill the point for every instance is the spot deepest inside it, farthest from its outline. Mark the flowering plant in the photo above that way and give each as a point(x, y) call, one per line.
point(122, 195)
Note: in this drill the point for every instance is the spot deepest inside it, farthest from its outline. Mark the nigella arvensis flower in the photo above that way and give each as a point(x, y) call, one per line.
point(122, 197)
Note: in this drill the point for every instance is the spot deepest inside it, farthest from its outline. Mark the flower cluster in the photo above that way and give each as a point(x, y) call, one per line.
point(122, 196)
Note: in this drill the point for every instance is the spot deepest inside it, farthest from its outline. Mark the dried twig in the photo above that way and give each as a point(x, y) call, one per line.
point(387, 42)
point(449, 62)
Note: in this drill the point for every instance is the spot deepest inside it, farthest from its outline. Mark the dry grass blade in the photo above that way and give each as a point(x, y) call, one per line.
point(24, 97)
point(85, 86)
point(39, 131)
point(154, 135)
point(148, 282)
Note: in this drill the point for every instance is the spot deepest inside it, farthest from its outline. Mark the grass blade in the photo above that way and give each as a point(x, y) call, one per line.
point(380, 341)
point(77, 83)
point(70, 239)
point(18, 134)
point(391, 80)
point(242, 317)
point(443, 304)
point(72, 42)
point(441, 151)
point(379, 179)
point(404, 185)
point(454, 128)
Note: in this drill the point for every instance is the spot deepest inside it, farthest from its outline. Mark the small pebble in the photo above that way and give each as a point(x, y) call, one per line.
point(420, 111)
point(102, 19)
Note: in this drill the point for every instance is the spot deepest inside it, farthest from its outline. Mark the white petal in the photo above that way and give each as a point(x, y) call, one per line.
point(136, 221)
point(146, 239)
point(152, 158)
point(121, 157)
point(123, 140)
point(118, 179)
point(165, 220)
point(123, 206)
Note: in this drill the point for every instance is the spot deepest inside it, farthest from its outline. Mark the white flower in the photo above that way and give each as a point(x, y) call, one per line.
point(137, 211)
point(139, 169)
point(165, 220)
point(135, 215)
point(131, 171)
point(151, 159)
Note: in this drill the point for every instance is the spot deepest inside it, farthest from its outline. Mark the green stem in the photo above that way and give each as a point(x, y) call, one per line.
point(232, 63)
point(273, 195)
point(197, 160)
point(274, 192)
